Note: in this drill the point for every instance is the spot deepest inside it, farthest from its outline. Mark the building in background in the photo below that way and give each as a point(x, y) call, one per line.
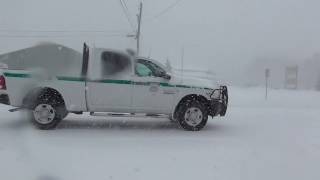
point(291, 77)
point(286, 73)
point(309, 78)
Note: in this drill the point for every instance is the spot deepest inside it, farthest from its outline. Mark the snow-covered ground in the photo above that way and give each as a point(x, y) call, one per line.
point(258, 140)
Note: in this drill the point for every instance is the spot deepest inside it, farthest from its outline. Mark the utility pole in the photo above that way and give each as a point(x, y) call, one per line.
point(137, 35)
point(139, 28)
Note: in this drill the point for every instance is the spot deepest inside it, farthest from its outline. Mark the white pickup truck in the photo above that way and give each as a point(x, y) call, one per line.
point(103, 80)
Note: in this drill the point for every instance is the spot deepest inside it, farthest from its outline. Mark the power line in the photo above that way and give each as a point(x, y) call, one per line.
point(57, 36)
point(128, 12)
point(29, 33)
point(166, 9)
point(125, 5)
point(125, 11)
point(57, 31)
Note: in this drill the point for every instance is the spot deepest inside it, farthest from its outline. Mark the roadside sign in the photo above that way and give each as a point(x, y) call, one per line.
point(267, 72)
point(267, 75)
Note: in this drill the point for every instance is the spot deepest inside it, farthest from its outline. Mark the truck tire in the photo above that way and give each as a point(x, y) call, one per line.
point(47, 114)
point(192, 115)
point(172, 119)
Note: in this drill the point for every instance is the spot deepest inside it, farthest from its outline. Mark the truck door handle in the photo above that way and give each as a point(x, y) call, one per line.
point(154, 84)
point(154, 87)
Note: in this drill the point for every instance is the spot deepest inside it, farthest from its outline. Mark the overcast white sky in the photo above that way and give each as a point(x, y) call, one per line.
point(215, 33)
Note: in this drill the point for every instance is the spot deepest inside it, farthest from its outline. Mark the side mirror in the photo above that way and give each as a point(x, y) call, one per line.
point(166, 76)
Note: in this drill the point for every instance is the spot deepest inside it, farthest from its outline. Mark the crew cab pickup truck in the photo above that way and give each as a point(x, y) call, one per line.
point(104, 80)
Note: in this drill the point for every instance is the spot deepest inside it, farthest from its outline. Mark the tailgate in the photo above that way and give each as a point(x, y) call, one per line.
point(18, 84)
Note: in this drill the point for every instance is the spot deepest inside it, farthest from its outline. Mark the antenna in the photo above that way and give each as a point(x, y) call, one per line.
point(150, 50)
point(182, 62)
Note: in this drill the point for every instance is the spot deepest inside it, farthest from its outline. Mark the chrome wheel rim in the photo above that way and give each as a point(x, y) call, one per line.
point(44, 113)
point(193, 116)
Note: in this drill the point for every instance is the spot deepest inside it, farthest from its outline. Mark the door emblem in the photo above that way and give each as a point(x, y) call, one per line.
point(154, 89)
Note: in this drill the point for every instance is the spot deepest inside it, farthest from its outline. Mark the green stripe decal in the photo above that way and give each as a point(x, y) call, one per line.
point(17, 75)
point(76, 79)
point(112, 81)
point(79, 79)
point(166, 85)
point(183, 86)
point(108, 81)
point(142, 83)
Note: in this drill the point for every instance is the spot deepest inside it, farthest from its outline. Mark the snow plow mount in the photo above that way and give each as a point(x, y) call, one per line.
point(219, 105)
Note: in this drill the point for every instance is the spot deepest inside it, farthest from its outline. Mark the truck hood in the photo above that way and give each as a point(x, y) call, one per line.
point(194, 82)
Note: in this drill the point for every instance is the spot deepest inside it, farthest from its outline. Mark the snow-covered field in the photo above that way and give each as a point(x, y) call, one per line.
point(258, 140)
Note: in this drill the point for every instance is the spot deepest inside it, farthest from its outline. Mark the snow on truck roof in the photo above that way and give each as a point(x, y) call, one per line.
point(55, 58)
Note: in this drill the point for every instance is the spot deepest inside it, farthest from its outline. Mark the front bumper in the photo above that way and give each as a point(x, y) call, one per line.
point(219, 101)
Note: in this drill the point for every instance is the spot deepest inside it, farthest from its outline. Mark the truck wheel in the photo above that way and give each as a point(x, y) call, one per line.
point(192, 116)
point(172, 119)
point(47, 115)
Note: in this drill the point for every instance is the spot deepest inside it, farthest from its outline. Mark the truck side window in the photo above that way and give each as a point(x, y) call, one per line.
point(145, 68)
point(114, 63)
point(142, 70)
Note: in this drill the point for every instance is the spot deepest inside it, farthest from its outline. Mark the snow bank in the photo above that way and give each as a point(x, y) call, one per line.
point(258, 140)
point(277, 98)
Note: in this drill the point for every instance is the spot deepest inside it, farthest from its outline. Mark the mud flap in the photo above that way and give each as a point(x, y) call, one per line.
point(4, 99)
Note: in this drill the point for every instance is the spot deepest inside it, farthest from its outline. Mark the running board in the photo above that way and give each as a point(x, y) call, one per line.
point(15, 109)
point(110, 114)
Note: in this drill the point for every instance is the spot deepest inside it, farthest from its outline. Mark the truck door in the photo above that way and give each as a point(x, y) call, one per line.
point(151, 92)
point(109, 85)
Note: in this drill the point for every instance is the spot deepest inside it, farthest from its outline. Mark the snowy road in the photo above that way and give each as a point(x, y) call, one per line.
point(258, 140)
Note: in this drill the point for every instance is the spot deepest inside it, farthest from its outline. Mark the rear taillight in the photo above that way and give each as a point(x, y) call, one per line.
point(2, 83)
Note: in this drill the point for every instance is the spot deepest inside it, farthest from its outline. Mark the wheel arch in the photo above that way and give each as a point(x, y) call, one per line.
point(190, 97)
point(32, 96)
